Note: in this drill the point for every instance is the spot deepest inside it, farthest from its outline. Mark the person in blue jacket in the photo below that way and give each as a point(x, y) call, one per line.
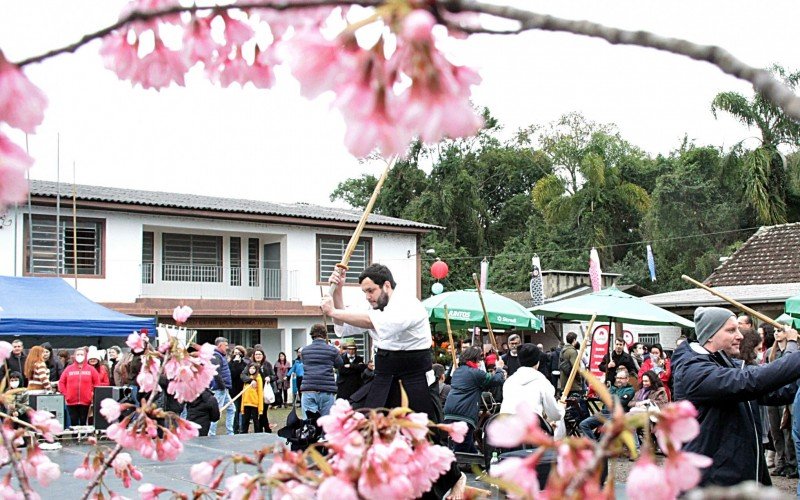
point(221, 385)
point(466, 386)
point(298, 370)
point(705, 374)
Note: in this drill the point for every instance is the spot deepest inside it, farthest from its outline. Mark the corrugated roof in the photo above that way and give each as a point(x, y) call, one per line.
point(769, 256)
point(747, 294)
point(232, 205)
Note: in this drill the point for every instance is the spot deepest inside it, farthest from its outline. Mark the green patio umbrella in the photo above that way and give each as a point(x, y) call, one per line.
point(792, 306)
point(789, 320)
point(611, 305)
point(464, 309)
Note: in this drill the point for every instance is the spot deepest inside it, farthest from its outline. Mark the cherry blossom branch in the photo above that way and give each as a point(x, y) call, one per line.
point(17, 421)
point(19, 471)
point(138, 15)
point(763, 82)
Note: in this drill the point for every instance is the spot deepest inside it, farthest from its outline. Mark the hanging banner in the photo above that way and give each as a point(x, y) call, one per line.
point(628, 338)
point(537, 284)
point(595, 274)
point(651, 263)
point(484, 273)
point(600, 338)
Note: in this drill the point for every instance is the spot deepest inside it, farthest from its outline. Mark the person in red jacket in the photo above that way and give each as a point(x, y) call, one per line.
point(95, 360)
point(659, 363)
point(77, 384)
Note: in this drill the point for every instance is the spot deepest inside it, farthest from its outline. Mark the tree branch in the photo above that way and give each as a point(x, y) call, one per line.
point(139, 16)
point(763, 82)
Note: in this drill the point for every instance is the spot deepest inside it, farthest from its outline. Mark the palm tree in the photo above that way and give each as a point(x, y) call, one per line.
point(763, 169)
point(606, 207)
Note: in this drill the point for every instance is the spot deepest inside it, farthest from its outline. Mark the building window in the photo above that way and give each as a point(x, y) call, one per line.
point(64, 249)
point(330, 250)
point(252, 260)
point(191, 257)
point(148, 256)
point(649, 339)
point(236, 260)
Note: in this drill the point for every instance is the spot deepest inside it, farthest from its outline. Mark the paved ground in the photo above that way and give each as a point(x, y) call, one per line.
point(176, 474)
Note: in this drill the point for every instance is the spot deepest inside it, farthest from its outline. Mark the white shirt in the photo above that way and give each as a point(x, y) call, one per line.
point(401, 326)
point(530, 386)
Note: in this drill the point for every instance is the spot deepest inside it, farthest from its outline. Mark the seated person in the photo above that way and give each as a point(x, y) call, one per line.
point(531, 386)
point(466, 387)
point(16, 404)
point(621, 390)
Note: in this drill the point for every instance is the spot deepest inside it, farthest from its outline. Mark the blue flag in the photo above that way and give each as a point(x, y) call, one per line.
point(651, 263)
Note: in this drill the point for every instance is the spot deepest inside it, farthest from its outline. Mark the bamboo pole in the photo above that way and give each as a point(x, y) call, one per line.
point(351, 245)
point(577, 363)
point(450, 336)
point(226, 405)
point(734, 303)
point(485, 314)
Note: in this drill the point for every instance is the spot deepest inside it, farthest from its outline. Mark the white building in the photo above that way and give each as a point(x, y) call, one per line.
point(251, 271)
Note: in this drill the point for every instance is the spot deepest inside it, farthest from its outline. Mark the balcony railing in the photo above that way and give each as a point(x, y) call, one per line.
point(188, 281)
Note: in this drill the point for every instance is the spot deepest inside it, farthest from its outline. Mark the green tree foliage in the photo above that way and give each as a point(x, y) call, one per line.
point(559, 189)
point(763, 170)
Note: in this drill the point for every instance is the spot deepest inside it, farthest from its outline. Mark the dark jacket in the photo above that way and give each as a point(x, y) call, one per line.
point(53, 364)
point(319, 360)
point(721, 391)
point(568, 357)
point(465, 393)
point(621, 359)
point(223, 378)
point(203, 410)
point(349, 380)
point(16, 364)
point(511, 363)
point(237, 368)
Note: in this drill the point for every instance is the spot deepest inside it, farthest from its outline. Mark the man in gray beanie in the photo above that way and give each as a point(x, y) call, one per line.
point(706, 374)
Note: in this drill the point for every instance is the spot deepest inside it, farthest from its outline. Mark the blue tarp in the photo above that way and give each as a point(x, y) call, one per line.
point(50, 306)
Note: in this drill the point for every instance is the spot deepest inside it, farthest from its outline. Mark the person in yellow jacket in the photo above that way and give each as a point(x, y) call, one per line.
point(253, 400)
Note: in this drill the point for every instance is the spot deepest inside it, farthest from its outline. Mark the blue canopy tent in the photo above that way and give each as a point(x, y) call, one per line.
point(50, 307)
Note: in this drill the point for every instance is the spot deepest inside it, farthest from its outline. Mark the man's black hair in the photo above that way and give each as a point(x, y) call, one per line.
point(470, 354)
point(571, 336)
point(379, 274)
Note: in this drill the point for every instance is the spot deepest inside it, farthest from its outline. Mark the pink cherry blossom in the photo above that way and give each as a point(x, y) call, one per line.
point(110, 409)
point(39, 466)
point(241, 486)
point(160, 68)
point(319, 64)
point(677, 424)
point(682, 469)
point(203, 472)
point(124, 469)
point(149, 491)
point(22, 103)
point(573, 458)
point(337, 488)
point(521, 472)
point(45, 423)
point(417, 26)
point(120, 56)
point(510, 431)
point(643, 476)
point(181, 314)
point(14, 162)
point(136, 341)
point(456, 430)
point(198, 44)
point(86, 470)
point(292, 490)
point(5, 347)
point(237, 32)
point(147, 380)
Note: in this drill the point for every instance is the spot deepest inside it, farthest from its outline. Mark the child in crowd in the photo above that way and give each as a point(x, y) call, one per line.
point(253, 400)
point(16, 404)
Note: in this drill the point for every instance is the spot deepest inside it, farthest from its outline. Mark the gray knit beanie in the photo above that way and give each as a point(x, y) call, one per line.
point(708, 321)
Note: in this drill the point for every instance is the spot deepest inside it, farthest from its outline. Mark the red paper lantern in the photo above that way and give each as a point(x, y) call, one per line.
point(439, 270)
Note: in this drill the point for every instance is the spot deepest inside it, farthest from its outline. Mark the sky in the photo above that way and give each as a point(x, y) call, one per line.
point(274, 145)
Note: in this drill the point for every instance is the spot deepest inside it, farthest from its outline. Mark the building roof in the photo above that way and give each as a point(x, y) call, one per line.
point(770, 256)
point(746, 294)
point(129, 197)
